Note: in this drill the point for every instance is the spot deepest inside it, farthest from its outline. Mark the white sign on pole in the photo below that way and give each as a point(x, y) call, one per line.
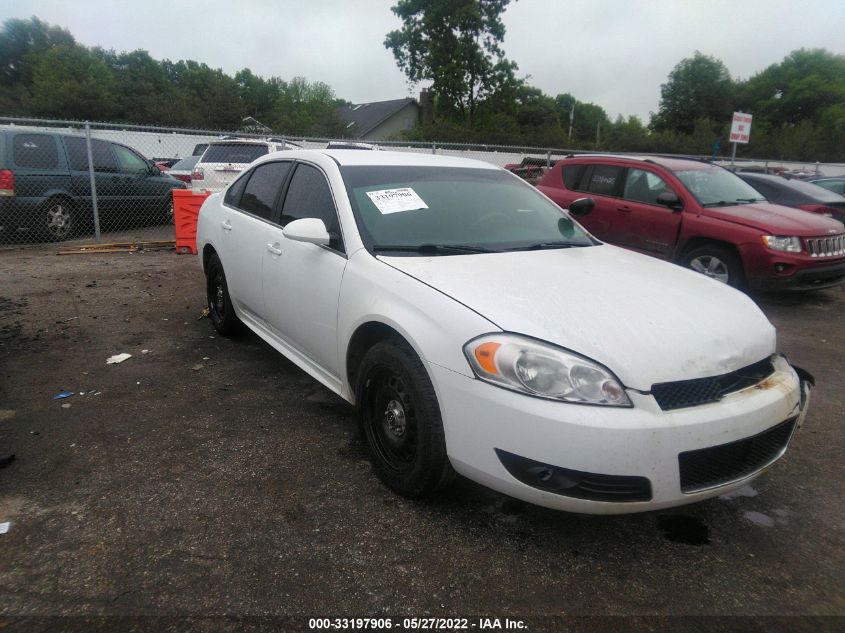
point(741, 128)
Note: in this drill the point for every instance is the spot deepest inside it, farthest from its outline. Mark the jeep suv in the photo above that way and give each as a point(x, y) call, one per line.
point(225, 158)
point(45, 185)
point(702, 216)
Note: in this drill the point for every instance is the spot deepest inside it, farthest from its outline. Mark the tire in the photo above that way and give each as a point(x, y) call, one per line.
point(716, 262)
point(400, 420)
point(220, 308)
point(57, 220)
point(166, 214)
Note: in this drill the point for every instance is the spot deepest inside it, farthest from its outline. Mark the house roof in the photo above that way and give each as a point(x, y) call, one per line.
point(363, 118)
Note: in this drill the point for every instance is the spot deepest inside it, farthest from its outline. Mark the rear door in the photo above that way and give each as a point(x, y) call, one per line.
point(640, 222)
point(602, 183)
point(245, 219)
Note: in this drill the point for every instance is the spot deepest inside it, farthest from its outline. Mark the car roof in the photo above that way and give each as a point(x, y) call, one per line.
point(672, 163)
point(799, 187)
point(348, 157)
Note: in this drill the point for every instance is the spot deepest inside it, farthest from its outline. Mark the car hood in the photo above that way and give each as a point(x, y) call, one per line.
point(775, 219)
point(646, 320)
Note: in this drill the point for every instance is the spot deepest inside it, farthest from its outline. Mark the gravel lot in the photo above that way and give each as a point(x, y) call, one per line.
point(211, 477)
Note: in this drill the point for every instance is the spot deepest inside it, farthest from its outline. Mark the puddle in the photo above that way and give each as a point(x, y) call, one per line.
point(680, 528)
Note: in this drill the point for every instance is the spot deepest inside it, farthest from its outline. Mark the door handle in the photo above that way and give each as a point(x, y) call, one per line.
point(226, 225)
point(624, 209)
point(274, 248)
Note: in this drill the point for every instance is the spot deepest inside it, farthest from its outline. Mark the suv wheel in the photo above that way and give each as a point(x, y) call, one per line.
point(716, 262)
point(57, 220)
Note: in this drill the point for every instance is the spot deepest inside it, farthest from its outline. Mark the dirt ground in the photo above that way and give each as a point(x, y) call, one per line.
point(211, 477)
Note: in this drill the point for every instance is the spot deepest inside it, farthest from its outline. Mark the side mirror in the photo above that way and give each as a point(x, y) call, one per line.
point(311, 230)
point(670, 199)
point(581, 207)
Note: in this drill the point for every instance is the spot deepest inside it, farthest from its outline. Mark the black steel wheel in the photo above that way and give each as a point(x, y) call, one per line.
point(220, 308)
point(400, 420)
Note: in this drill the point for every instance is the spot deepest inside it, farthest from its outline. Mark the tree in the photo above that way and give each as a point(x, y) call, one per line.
point(455, 44)
point(699, 87)
point(71, 82)
point(20, 39)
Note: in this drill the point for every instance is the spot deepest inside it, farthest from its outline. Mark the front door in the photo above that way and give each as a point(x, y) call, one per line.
point(302, 280)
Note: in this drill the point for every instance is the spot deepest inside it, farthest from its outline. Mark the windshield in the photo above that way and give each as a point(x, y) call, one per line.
point(409, 207)
point(715, 186)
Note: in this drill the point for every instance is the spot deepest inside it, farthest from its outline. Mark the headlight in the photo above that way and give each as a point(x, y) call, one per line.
point(777, 243)
point(539, 369)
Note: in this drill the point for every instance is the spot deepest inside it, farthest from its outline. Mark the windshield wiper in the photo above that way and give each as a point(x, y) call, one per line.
point(433, 249)
point(544, 245)
point(732, 203)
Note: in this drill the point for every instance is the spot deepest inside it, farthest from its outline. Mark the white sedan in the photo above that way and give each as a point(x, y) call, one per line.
point(480, 330)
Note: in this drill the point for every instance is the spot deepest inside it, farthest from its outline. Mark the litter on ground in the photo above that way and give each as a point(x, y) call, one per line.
point(117, 358)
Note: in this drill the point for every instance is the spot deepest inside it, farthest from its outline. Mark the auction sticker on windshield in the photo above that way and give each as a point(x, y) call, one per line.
point(396, 200)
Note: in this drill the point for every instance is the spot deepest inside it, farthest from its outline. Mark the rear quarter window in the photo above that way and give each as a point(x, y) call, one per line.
point(572, 176)
point(36, 150)
point(604, 180)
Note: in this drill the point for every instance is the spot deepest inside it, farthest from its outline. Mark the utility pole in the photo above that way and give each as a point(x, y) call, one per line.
point(598, 133)
point(571, 119)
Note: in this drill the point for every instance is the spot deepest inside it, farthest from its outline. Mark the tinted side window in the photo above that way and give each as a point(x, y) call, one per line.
point(309, 196)
point(77, 153)
point(233, 193)
point(130, 161)
point(36, 150)
point(262, 189)
point(644, 186)
point(603, 180)
point(572, 176)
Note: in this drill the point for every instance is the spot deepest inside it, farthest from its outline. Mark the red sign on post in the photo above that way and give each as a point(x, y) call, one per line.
point(741, 128)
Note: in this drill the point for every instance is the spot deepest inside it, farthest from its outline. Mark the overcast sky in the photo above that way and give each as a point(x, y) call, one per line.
point(615, 53)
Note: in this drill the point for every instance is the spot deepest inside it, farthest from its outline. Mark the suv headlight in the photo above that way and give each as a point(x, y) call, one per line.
point(778, 243)
point(540, 369)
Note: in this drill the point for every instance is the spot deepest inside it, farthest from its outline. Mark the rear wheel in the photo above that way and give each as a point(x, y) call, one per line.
point(400, 420)
point(57, 220)
point(220, 308)
point(716, 262)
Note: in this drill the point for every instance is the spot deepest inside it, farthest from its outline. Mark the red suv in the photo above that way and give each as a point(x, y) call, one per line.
point(702, 216)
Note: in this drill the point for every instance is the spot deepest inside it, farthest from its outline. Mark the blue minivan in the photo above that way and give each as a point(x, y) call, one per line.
point(45, 185)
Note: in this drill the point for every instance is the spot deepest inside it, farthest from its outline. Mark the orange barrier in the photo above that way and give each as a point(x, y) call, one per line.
point(186, 209)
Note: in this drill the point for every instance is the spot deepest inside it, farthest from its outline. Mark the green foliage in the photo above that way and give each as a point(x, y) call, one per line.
point(699, 88)
point(455, 44)
point(45, 72)
point(71, 82)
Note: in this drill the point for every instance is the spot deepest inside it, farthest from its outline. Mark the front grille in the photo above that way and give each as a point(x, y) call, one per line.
point(575, 483)
point(719, 465)
point(826, 246)
point(690, 393)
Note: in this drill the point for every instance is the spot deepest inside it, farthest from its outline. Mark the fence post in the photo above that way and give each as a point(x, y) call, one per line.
point(93, 182)
point(548, 159)
point(434, 148)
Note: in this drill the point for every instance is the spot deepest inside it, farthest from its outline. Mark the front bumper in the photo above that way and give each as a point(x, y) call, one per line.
point(640, 442)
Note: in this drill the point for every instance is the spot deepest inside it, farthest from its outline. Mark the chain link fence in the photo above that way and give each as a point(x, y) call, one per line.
point(94, 182)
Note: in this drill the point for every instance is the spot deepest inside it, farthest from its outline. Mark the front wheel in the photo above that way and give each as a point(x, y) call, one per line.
point(220, 307)
point(716, 262)
point(400, 420)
